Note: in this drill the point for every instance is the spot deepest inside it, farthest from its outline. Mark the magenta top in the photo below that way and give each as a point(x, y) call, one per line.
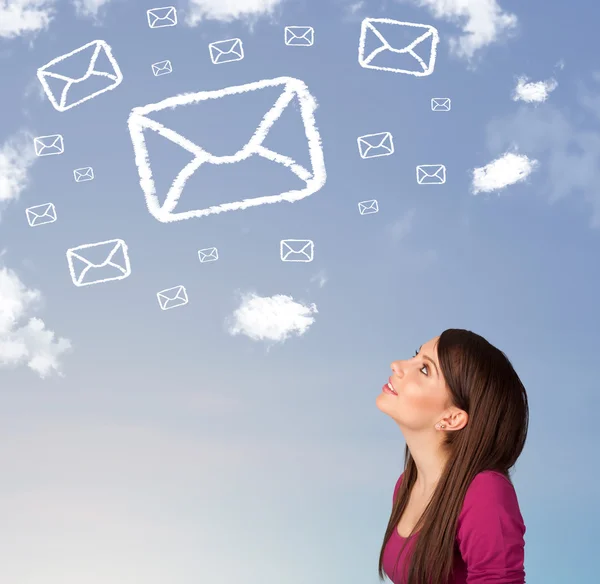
point(489, 545)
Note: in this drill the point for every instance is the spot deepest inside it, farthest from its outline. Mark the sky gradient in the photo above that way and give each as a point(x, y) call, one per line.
point(152, 446)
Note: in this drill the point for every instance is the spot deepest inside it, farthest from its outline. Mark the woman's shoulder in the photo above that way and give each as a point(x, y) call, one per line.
point(490, 491)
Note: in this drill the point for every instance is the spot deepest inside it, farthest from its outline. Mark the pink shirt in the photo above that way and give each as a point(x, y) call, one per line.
point(489, 546)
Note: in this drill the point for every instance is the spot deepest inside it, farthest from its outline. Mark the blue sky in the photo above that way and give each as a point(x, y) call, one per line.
point(199, 444)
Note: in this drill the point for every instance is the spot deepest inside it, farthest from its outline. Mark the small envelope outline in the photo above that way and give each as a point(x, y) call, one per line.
point(313, 175)
point(210, 254)
point(109, 248)
point(299, 36)
point(297, 250)
point(227, 51)
point(172, 297)
point(161, 17)
point(431, 174)
point(49, 145)
point(368, 207)
point(441, 104)
point(83, 174)
point(374, 145)
point(422, 32)
point(114, 75)
point(162, 68)
point(41, 214)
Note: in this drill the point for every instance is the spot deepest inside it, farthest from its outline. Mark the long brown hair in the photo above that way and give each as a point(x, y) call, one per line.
point(483, 383)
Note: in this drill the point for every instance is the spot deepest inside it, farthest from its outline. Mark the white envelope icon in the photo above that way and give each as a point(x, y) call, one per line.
point(93, 263)
point(49, 145)
point(226, 51)
point(210, 254)
point(368, 207)
point(440, 104)
point(41, 214)
point(374, 145)
point(172, 297)
point(413, 54)
point(83, 174)
point(161, 17)
point(162, 68)
point(431, 174)
point(299, 36)
point(65, 86)
point(297, 250)
point(163, 208)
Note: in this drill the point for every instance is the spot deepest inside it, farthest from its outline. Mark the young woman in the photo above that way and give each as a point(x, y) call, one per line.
point(464, 415)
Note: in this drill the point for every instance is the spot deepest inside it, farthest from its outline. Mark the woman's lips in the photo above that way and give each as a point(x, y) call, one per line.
point(387, 388)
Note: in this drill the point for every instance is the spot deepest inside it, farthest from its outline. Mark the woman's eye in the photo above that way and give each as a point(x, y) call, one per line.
point(426, 368)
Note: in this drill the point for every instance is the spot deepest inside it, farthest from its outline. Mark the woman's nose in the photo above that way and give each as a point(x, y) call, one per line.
point(396, 367)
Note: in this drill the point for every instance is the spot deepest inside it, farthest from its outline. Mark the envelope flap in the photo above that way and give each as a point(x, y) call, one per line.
point(100, 255)
point(238, 113)
point(167, 12)
point(226, 46)
point(176, 293)
point(299, 32)
point(299, 246)
point(72, 66)
point(431, 170)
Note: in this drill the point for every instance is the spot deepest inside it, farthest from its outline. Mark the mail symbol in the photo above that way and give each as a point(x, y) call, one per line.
point(292, 93)
point(172, 297)
point(431, 174)
point(406, 54)
point(299, 36)
point(368, 207)
point(161, 17)
point(226, 51)
point(67, 90)
point(83, 174)
point(93, 263)
point(440, 104)
point(297, 250)
point(162, 68)
point(41, 214)
point(210, 254)
point(49, 145)
point(374, 145)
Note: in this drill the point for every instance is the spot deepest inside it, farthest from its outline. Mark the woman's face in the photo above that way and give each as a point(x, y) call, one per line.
point(422, 396)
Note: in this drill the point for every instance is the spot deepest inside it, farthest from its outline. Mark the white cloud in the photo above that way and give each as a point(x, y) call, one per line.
point(89, 8)
point(533, 92)
point(228, 10)
point(16, 156)
point(25, 341)
point(507, 170)
point(320, 277)
point(403, 226)
point(567, 145)
point(20, 17)
point(483, 22)
point(271, 318)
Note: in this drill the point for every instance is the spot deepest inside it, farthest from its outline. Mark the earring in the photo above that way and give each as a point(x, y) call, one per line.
point(438, 426)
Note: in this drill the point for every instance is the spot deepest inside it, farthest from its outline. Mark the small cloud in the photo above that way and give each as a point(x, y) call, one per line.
point(352, 10)
point(228, 10)
point(533, 92)
point(320, 278)
point(22, 17)
point(26, 343)
point(507, 170)
point(403, 226)
point(89, 8)
point(16, 157)
point(483, 22)
point(271, 318)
